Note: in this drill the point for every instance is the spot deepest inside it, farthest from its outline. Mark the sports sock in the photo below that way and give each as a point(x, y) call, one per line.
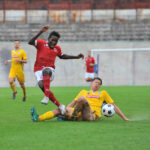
point(53, 98)
point(24, 91)
point(47, 115)
point(12, 85)
point(48, 93)
point(46, 82)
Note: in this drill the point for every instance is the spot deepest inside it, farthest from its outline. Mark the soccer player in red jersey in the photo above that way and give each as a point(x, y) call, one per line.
point(44, 66)
point(89, 65)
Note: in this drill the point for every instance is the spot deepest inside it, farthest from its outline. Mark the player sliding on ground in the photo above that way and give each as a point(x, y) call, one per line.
point(85, 107)
point(44, 66)
point(18, 59)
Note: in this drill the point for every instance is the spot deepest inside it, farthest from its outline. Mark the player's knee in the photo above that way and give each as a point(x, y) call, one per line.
point(81, 99)
point(47, 71)
point(11, 80)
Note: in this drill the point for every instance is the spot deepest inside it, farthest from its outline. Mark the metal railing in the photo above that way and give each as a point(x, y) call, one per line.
point(71, 10)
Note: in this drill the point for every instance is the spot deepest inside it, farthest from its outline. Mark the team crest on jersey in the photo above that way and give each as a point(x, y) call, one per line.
point(92, 96)
point(45, 45)
point(18, 52)
point(99, 93)
point(15, 56)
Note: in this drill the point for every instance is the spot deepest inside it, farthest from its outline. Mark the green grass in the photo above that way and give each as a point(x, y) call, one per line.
point(18, 132)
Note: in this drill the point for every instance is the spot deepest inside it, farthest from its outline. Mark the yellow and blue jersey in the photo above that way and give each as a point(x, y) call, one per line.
point(17, 68)
point(95, 99)
point(20, 53)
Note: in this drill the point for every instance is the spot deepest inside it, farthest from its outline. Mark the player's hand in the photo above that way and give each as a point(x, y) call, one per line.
point(45, 28)
point(69, 111)
point(80, 56)
point(126, 119)
point(6, 62)
point(92, 64)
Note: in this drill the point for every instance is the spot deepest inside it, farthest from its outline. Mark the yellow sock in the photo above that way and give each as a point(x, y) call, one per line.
point(47, 115)
point(12, 85)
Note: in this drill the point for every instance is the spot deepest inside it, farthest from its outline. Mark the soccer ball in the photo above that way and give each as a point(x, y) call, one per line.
point(108, 110)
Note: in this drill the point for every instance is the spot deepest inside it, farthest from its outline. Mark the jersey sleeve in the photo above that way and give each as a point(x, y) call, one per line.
point(80, 94)
point(24, 55)
point(108, 99)
point(39, 43)
point(93, 60)
point(59, 51)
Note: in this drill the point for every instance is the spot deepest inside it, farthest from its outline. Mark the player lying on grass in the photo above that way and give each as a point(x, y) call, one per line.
point(85, 107)
point(44, 66)
point(19, 57)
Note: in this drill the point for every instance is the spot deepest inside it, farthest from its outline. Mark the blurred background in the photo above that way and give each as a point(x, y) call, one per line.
point(119, 31)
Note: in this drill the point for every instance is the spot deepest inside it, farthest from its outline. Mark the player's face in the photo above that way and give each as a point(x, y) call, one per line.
point(52, 41)
point(95, 85)
point(89, 54)
point(17, 44)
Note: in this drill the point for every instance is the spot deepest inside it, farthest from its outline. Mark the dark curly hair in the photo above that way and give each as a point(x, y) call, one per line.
point(54, 33)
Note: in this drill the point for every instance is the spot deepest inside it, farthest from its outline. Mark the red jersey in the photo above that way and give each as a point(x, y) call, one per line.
point(45, 55)
point(88, 61)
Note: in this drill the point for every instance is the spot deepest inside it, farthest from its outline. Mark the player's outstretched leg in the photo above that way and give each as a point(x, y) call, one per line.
point(52, 98)
point(46, 83)
point(34, 115)
point(83, 106)
point(45, 100)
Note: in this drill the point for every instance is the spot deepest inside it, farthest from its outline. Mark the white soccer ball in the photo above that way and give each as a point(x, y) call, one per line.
point(108, 110)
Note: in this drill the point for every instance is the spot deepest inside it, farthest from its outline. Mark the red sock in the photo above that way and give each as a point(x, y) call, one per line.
point(46, 82)
point(53, 98)
point(48, 93)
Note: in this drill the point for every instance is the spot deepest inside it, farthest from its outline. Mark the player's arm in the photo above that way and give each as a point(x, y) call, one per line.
point(117, 109)
point(119, 112)
point(65, 56)
point(69, 110)
point(91, 64)
point(32, 41)
point(21, 60)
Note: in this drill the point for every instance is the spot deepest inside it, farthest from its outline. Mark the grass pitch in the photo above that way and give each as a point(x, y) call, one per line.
point(18, 132)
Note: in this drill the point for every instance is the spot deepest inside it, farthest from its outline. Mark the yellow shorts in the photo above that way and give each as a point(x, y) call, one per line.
point(19, 74)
